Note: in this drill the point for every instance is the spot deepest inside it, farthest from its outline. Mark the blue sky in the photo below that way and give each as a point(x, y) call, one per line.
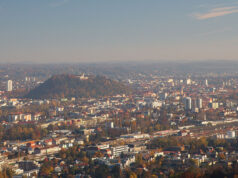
point(117, 30)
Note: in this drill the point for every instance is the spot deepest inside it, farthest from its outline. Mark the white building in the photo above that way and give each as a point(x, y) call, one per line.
point(188, 81)
point(206, 83)
point(9, 85)
point(231, 134)
point(83, 77)
point(111, 125)
point(103, 146)
point(135, 136)
point(156, 104)
point(117, 150)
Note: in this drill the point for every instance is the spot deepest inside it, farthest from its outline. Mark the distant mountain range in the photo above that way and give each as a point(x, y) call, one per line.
point(60, 86)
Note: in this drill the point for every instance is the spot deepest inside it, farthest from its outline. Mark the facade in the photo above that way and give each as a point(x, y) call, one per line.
point(213, 105)
point(116, 151)
point(19, 117)
point(206, 83)
point(199, 103)
point(231, 134)
point(9, 85)
point(188, 103)
point(188, 81)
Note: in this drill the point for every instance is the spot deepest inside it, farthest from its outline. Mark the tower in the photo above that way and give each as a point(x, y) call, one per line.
point(206, 82)
point(199, 103)
point(181, 91)
point(188, 103)
point(9, 85)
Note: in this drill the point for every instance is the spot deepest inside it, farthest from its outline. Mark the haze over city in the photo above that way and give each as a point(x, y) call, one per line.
point(59, 31)
point(118, 89)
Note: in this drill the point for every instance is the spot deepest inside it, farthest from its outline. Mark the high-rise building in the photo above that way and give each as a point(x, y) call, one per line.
point(199, 103)
point(110, 125)
point(206, 83)
point(188, 103)
point(9, 85)
point(27, 79)
point(163, 96)
point(181, 91)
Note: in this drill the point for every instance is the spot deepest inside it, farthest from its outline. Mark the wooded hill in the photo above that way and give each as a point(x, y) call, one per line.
point(60, 86)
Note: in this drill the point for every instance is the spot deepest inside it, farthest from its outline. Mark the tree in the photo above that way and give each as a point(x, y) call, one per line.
point(194, 162)
point(221, 156)
point(102, 171)
point(133, 175)
point(139, 159)
point(46, 168)
point(116, 171)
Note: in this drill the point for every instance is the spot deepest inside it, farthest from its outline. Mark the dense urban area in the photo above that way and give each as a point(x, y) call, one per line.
point(64, 121)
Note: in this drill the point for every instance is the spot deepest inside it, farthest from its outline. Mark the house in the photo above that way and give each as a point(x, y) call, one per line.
point(36, 116)
point(50, 150)
point(66, 145)
point(48, 142)
point(117, 150)
point(128, 160)
point(106, 151)
point(79, 141)
point(60, 109)
point(26, 117)
point(56, 141)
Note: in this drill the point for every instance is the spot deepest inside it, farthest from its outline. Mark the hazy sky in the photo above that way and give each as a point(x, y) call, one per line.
point(117, 30)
